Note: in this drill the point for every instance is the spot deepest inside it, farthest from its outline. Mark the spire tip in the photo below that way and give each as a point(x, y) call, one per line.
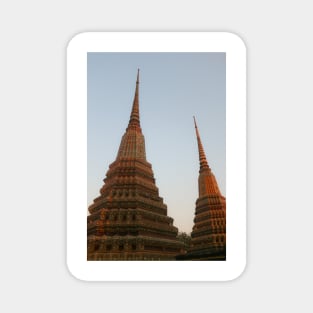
point(202, 157)
point(138, 75)
point(194, 119)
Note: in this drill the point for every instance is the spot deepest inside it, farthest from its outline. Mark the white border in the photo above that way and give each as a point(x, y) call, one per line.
point(77, 156)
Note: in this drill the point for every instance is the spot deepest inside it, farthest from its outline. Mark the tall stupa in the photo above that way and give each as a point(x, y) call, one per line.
point(129, 221)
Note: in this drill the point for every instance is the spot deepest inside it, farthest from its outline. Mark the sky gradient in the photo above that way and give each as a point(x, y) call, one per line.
point(173, 88)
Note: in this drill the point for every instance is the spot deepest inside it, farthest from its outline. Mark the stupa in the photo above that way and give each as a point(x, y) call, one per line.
point(129, 220)
point(208, 236)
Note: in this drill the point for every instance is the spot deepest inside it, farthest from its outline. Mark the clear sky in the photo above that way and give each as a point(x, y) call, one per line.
point(173, 87)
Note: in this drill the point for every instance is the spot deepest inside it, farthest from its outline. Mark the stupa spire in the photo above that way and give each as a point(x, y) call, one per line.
point(134, 120)
point(133, 142)
point(202, 157)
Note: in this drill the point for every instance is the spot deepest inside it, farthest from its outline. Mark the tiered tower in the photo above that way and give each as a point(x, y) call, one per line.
point(129, 221)
point(208, 236)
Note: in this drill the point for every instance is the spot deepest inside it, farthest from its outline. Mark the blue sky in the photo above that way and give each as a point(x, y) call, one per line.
point(173, 87)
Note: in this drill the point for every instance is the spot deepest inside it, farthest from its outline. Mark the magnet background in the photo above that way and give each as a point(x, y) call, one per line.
point(34, 36)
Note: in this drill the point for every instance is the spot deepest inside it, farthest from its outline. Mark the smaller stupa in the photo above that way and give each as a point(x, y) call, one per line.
point(208, 236)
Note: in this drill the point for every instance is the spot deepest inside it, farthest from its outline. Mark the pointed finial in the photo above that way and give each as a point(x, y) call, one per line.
point(197, 132)
point(202, 157)
point(134, 120)
point(138, 76)
point(194, 119)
